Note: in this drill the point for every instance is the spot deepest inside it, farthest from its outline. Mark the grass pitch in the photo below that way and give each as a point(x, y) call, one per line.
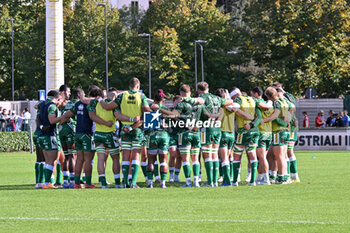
point(320, 203)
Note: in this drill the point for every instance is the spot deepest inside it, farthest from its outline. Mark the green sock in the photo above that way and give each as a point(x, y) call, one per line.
point(134, 172)
point(156, 169)
point(280, 178)
point(254, 170)
point(58, 173)
point(163, 176)
point(150, 175)
point(187, 170)
point(231, 170)
point(293, 166)
point(77, 180)
point(88, 180)
point(221, 170)
point(196, 168)
point(103, 180)
point(209, 170)
point(84, 178)
point(48, 174)
point(285, 177)
point(41, 173)
point(226, 174)
point(216, 165)
point(99, 179)
point(72, 178)
point(177, 172)
point(36, 167)
point(235, 168)
point(117, 179)
point(125, 170)
point(144, 169)
point(288, 166)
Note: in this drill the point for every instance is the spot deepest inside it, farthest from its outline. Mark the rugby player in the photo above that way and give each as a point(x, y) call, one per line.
point(280, 132)
point(294, 129)
point(189, 137)
point(66, 133)
point(40, 159)
point(131, 104)
point(210, 136)
point(247, 134)
point(49, 117)
point(158, 144)
point(265, 132)
point(83, 138)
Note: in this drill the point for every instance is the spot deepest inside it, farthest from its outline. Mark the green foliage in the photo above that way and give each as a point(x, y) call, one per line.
point(14, 141)
point(301, 43)
point(189, 21)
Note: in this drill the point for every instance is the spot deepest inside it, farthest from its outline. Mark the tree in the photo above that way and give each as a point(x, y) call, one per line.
point(301, 44)
point(180, 23)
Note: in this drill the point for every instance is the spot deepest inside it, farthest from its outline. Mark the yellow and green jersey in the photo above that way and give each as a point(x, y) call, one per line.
point(283, 105)
point(228, 121)
point(130, 103)
point(267, 126)
point(106, 115)
point(248, 105)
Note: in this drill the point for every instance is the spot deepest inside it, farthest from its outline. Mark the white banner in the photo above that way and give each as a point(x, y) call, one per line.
point(54, 45)
point(323, 139)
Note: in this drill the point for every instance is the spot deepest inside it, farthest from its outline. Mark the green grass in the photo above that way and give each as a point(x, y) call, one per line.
point(320, 203)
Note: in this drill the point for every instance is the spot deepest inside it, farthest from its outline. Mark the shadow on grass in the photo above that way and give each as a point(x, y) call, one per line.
point(17, 187)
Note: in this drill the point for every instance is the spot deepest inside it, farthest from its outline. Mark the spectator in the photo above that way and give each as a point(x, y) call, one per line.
point(3, 119)
point(26, 120)
point(346, 119)
point(338, 122)
point(306, 121)
point(9, 126)
point(320, 120)
point(329, 119)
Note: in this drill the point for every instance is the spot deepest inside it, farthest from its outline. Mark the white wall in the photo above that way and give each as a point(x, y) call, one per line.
point(143, 4)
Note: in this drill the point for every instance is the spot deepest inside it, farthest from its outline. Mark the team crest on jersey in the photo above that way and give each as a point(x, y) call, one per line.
point(81, 107)
point(151, 120)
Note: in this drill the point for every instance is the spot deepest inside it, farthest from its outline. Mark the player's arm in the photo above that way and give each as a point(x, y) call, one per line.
point(52, 115)
point(86, 100)
point(122, 117)
point(67, 115)
point(93, 116)
point(257, 119)
point(265, 106)
point(191, 100)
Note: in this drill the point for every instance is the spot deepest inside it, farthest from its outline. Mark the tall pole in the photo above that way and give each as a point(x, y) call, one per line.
point(106, 41)
point(202, 66)
point(234, 52)
point(149, 66)
point(195, 64)
point(13, 74)
point(239, 70)
point(149, 63)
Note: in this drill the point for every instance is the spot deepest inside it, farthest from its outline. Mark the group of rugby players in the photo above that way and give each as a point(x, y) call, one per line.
point(70, 132)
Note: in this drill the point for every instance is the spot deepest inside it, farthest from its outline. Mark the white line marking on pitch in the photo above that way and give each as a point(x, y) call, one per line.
point(169, 220)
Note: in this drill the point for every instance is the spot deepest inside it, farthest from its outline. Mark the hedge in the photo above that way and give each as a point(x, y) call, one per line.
point(14, 141)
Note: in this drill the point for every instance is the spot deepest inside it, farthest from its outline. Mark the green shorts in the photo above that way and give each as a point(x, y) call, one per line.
point(131, 140)
point(280, 138)
point(264, 140)
point(173, 141)
point(158, 142)
point(246, 137)
point(293, 134)
point(36, 138)
point(145, 137)
point(189, 138)
point(109, 140)
point(227, 140)
point(84, 142)
point(210, 136)
point(50, 143)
